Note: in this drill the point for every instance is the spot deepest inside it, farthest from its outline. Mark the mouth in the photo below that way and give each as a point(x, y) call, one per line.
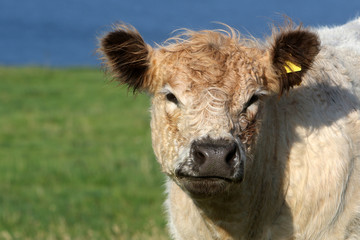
point(206, 186)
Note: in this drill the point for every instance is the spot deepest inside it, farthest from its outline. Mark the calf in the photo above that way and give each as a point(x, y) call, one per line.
point(259, 140)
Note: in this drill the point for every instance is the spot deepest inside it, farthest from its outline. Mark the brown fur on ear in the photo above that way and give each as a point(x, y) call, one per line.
point(297, 46)
point(127, 56)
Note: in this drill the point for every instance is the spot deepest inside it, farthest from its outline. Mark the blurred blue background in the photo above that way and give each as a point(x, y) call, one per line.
point(64, 32)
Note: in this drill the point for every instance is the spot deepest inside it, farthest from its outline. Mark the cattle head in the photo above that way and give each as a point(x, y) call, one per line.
point(208, 90)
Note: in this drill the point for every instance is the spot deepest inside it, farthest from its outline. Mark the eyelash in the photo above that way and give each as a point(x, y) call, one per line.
point(171, 98)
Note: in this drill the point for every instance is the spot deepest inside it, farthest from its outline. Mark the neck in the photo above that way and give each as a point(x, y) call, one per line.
point(246, 210)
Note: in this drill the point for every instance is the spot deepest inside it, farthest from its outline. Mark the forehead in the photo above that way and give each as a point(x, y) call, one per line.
point(210, 59)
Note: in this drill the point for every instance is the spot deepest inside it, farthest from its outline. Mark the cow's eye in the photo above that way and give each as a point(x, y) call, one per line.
point(171, 97)
point(251, 101)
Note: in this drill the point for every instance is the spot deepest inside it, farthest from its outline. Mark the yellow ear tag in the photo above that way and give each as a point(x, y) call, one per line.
point(291, 67)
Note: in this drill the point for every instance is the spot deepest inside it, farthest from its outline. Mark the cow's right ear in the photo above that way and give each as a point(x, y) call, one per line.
point(127, 56)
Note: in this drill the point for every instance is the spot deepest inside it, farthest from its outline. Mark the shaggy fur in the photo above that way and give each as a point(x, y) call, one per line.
point(295, 171)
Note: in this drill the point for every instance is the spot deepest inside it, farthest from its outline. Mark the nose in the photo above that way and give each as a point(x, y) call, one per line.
point(215, 158)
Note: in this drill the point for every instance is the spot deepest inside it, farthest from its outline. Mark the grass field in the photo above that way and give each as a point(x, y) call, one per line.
point(75, 158)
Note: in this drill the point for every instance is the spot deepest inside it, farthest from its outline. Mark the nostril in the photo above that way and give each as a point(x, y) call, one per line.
point(199, 156)
point(231, 156)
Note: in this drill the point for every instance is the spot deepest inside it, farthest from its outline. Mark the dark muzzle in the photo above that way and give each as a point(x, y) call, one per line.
point(213, 166)
point(215, 158)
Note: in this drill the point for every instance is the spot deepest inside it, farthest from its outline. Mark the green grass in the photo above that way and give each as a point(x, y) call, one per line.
point(75, 158)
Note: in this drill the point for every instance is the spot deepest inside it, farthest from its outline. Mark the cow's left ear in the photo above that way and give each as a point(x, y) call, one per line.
point(291, 54)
